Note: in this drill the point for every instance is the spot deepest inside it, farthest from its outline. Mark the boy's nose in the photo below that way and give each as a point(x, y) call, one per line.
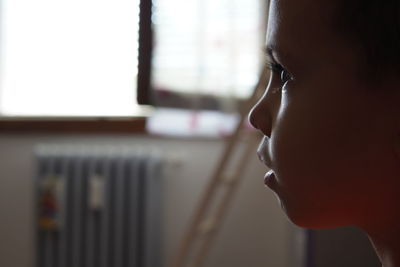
point(260, 118)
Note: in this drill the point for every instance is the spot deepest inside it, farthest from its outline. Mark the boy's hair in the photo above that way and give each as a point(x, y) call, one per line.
point(374, 26)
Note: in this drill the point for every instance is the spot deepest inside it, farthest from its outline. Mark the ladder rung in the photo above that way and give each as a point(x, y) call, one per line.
point(228, 179)
point(207, 226)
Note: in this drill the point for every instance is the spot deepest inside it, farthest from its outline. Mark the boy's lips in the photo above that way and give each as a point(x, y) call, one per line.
point(269, 178)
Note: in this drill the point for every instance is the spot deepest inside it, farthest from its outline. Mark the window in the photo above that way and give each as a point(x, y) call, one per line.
point(208, 48)
point(80, 57)
point(75, 57)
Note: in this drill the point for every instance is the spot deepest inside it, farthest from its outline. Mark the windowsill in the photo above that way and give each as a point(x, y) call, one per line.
point(76, 124)
point(30, 125)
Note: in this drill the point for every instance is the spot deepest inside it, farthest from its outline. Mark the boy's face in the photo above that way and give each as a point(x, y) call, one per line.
point(328, 138)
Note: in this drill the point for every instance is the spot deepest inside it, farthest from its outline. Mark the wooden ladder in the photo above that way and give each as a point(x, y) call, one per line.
point(211, 210)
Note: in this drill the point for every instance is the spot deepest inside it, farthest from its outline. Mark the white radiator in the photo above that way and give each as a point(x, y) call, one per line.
point(98, 207)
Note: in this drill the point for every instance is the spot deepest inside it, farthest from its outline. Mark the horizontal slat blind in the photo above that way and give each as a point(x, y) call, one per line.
point(209, 47)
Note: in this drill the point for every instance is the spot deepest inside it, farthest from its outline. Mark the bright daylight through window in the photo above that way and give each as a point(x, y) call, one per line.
point(76, 57)
point(80, 57)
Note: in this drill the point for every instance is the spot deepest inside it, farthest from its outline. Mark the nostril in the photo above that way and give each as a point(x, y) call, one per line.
point(260, 119)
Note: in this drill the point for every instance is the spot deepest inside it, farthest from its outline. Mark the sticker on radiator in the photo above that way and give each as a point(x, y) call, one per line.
point(96, 192)
point(51, 191)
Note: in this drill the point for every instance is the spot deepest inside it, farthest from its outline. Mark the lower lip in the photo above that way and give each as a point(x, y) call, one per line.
point(269, 177)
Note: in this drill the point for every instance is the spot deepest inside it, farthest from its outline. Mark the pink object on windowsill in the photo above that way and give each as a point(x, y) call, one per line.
point(190, 123)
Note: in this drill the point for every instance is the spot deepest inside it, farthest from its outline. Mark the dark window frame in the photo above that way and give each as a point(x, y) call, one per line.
point(145, 53)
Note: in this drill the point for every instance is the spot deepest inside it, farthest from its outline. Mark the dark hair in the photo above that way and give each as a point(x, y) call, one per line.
point(374, 26)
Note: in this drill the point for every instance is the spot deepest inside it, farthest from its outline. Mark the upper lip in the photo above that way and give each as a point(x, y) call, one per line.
point(262, 153)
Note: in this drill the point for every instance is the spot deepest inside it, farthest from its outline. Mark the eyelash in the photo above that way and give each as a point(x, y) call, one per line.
point(278, 69)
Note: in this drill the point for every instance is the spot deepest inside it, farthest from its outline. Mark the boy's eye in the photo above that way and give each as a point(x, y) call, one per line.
point(277, 69)
point(285, 76)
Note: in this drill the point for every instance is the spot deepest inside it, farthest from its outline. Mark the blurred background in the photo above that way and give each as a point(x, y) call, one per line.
point(113, 117)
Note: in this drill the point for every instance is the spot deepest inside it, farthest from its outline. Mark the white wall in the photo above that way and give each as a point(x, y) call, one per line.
point(255, 232)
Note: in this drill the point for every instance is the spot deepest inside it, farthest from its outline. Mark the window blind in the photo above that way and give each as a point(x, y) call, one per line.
point(209, 47)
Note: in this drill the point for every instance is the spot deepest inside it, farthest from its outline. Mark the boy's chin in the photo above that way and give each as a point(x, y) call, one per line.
point(314, 220)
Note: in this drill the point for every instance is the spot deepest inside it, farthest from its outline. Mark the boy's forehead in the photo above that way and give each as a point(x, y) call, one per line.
point(307, 4)
point(304, 11)
point(299, 22)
